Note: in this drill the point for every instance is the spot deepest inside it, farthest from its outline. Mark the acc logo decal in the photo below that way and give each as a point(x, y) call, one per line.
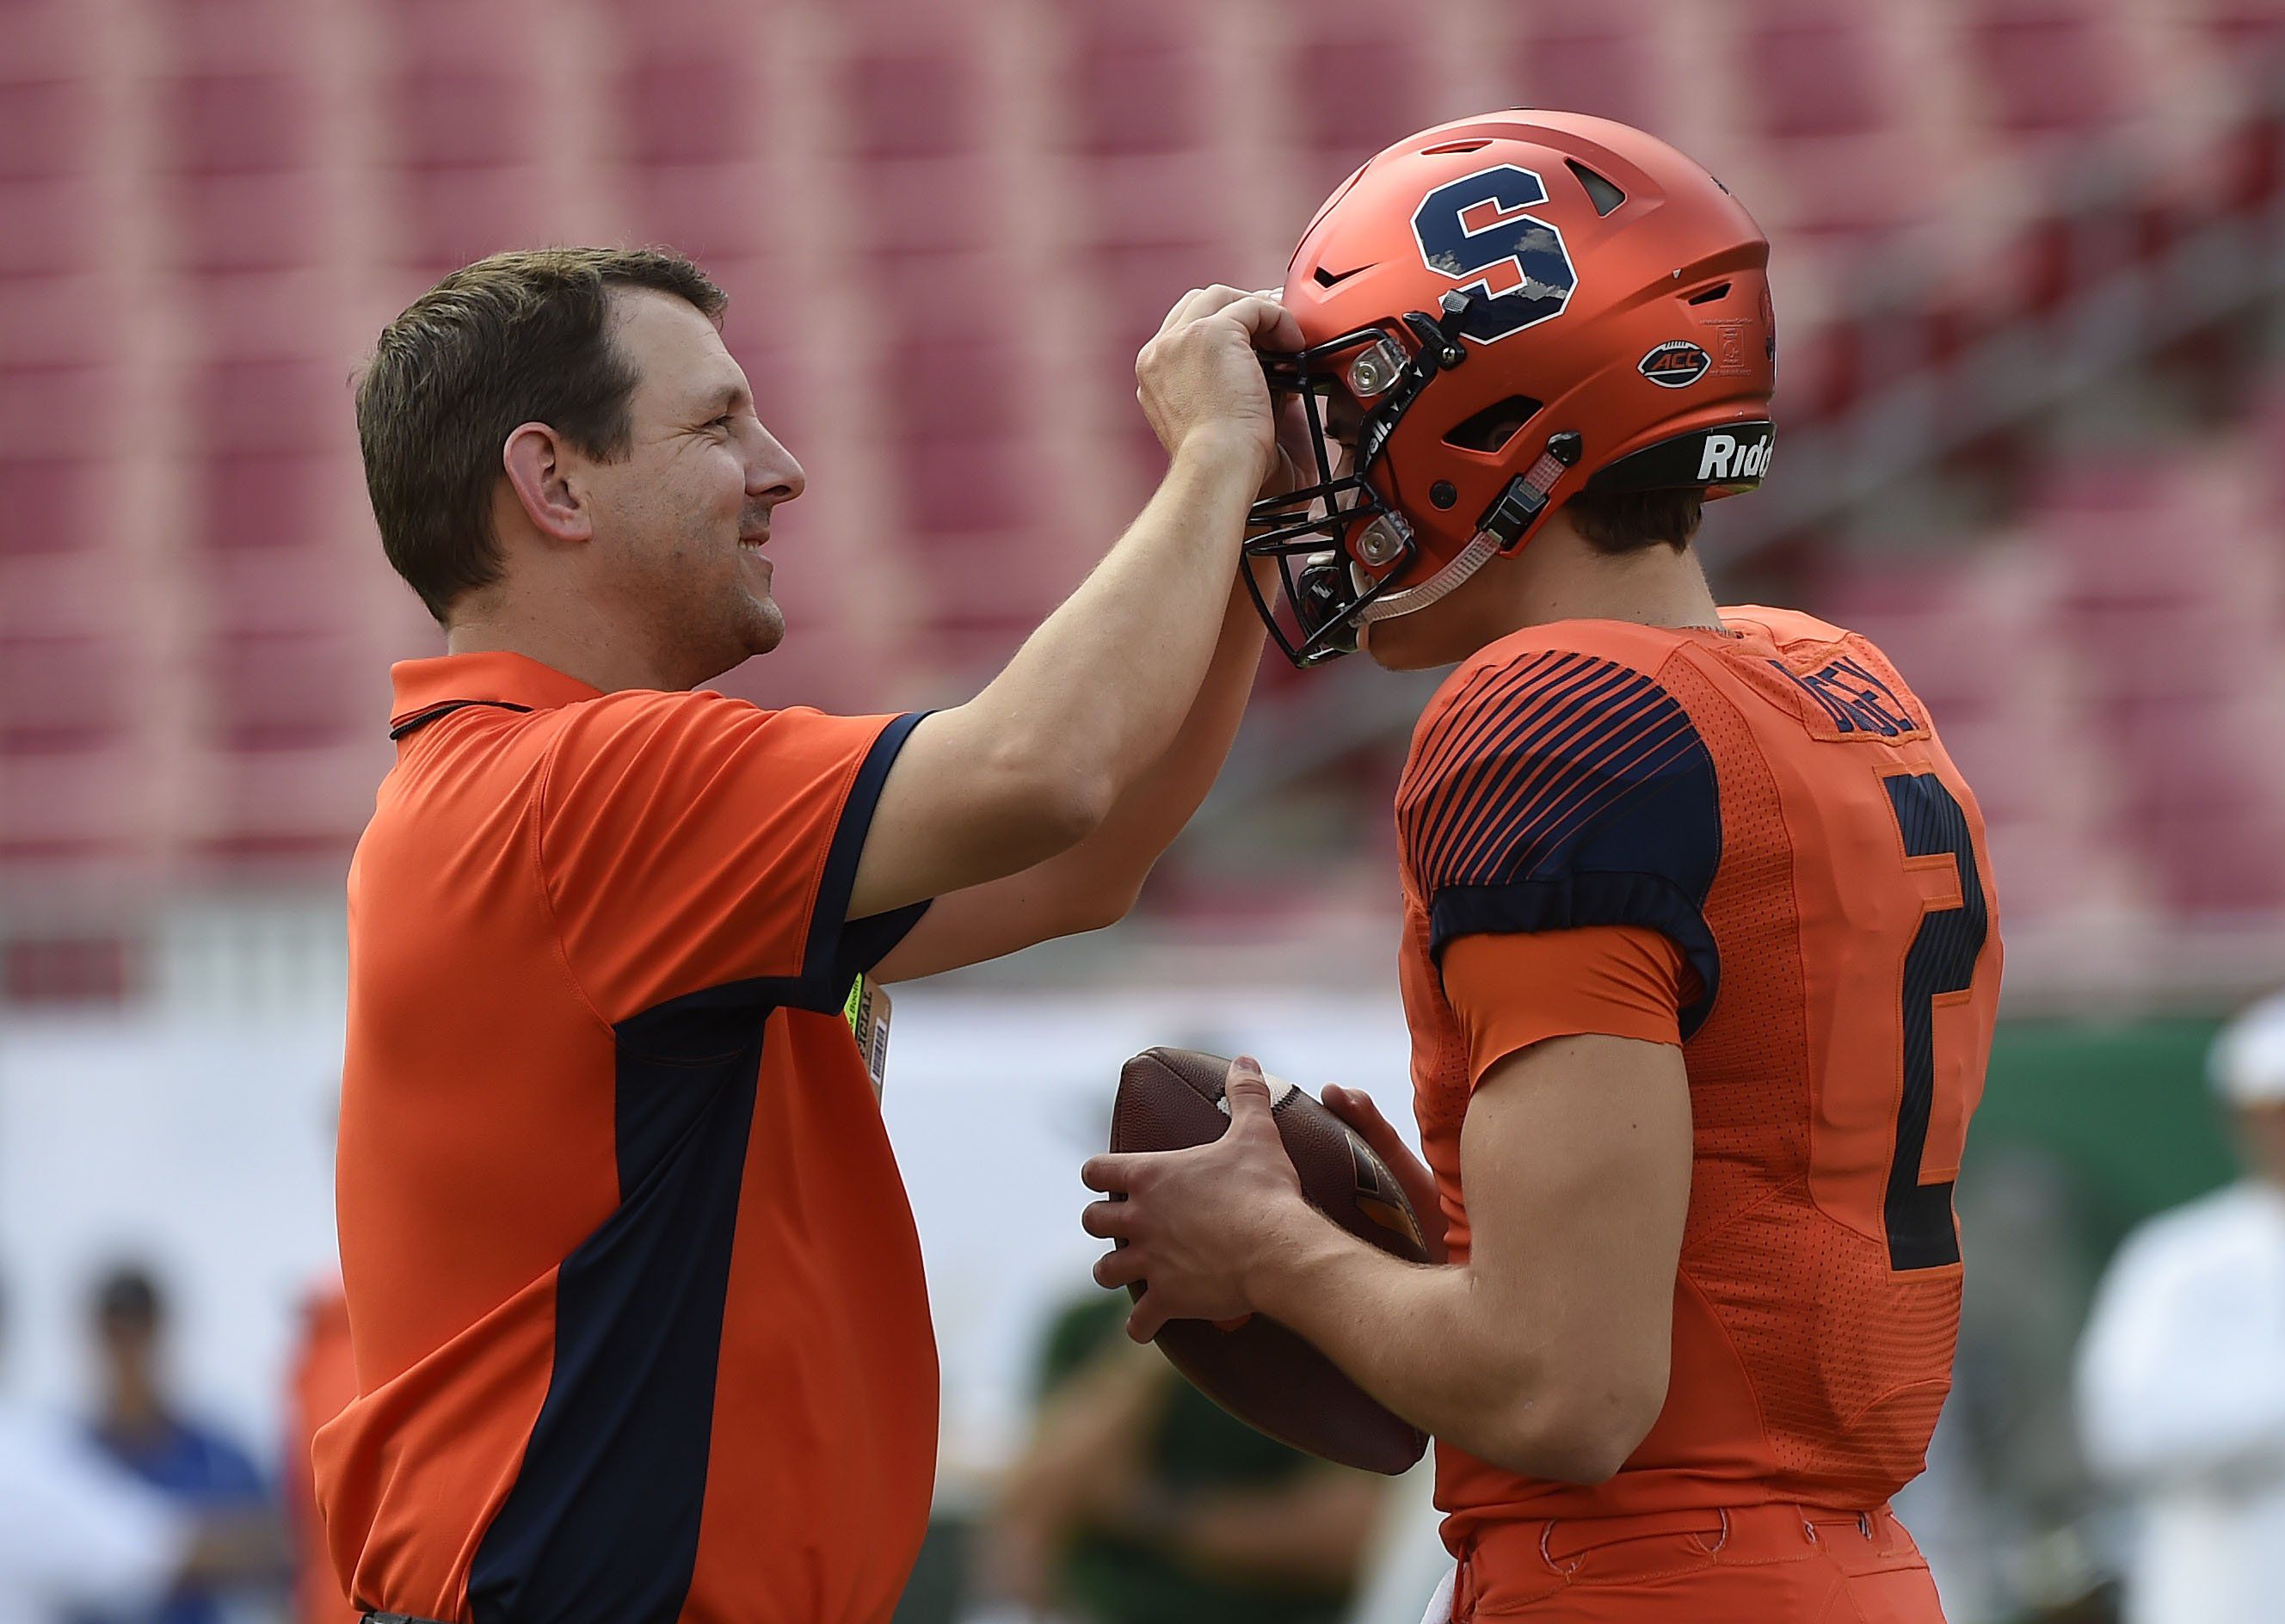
point(1474, 231)
point(1675, 364)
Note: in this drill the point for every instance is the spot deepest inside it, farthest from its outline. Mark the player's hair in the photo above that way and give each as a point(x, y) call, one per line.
point(1620, 521)
point(517, 338)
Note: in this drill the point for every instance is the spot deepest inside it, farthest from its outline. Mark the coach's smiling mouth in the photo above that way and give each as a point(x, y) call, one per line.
point(753, 544)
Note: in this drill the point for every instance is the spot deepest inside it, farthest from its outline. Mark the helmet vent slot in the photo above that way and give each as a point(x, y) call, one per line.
point(1456, 146)
point(1707, 295)
point(1600, 192)
point(1490, 430)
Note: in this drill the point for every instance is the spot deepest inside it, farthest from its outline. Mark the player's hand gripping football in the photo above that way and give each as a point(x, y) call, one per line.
point(1197, 1223)
point(1354, 1107)
point(1201, 375)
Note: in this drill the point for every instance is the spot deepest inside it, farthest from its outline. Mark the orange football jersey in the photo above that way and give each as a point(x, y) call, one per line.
point(1772, 800)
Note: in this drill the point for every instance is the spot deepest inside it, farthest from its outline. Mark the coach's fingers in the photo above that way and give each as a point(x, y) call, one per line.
point(1175, 312)
point(1123, 1267)
point(1200, 301)
point(1109, 1221)
point(1269, 325)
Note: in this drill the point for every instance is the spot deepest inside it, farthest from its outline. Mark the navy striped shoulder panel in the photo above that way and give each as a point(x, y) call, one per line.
point(1563, 790)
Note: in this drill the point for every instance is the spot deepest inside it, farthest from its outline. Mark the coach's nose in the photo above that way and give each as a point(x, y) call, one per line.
point(773, 476)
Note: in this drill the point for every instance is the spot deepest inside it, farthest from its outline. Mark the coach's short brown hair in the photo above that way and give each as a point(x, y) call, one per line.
point(516, 338)
point(1622, 521)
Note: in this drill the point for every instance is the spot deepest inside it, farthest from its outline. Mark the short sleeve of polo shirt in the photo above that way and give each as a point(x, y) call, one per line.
point(689, 841)
point(1509, 990)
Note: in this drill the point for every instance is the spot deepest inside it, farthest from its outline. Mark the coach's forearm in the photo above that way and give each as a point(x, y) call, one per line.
point(1099, 691)
point(1424, 1340)
point(1107, 869)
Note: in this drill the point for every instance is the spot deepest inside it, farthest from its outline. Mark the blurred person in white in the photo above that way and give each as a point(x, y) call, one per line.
point(2182, 1371)
point(79, 1536)
point(144, 1428)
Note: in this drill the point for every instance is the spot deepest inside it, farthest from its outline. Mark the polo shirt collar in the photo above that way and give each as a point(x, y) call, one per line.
point(492, 678)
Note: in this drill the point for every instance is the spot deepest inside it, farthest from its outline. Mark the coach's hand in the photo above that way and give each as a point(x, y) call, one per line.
point(1201, 375)
point(1198, 1225)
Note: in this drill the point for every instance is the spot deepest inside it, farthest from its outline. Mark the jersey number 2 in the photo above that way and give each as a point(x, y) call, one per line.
point(1942, 958)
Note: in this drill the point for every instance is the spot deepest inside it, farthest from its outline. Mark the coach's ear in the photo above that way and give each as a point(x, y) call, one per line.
point(537, 463)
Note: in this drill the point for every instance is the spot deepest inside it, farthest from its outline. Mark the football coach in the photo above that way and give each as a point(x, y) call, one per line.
point(640, 1324)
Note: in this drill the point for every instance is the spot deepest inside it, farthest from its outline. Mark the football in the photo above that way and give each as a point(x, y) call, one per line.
point(1259, 1371)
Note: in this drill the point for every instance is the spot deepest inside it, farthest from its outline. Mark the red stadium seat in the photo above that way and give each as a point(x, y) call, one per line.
point(1357, 90)
point(57, 321)
point(246, 221)
point(62, 694)
point(1814, 71)
point(1137, 80)
point(2049, 66)
point(264, 499)
point(919, 104)
point(711, 212)
point(449, 217)
point(54, 226)
point(235, 36)
point(47, 507)
point(1848, 189)
point(958, 486)
point(303, 807)
point(1142, 201)
point(241, 406)
point(93, 804)
point(459, 117)
point(696, 112)
point(292, 691)
point(44, 128)
point(926, 205)
point(1591, 56)
point(477, 36)
point(47, 39)
point(237, 123)
point(46, 411)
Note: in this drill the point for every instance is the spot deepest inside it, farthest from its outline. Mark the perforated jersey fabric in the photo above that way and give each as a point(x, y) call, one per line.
point(1772, 798)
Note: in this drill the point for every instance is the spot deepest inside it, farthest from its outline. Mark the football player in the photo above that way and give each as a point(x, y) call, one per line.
point(1699, 953)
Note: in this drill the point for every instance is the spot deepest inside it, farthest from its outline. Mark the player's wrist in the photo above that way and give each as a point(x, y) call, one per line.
point(1300, 1248)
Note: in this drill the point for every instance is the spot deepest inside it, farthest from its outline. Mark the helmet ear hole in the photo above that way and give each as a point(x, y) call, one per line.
point(1490, 430)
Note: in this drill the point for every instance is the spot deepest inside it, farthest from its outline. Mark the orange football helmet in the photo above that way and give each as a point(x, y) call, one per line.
point(1515, 309)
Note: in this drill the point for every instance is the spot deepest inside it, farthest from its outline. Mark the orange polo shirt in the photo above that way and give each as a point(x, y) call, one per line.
point(640, 1324)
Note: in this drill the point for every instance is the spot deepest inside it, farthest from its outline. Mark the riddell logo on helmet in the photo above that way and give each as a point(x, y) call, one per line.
point(1725, 458)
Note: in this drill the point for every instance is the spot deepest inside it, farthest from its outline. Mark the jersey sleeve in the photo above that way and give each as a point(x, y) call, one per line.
point(1561, 792)
point(689, 841)
point(1511, 990)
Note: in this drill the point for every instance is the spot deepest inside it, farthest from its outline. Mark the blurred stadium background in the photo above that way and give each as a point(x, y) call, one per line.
point(2031, 283)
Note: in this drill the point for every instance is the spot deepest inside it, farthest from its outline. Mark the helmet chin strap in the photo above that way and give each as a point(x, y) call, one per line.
point(1505, 527)
point(1445, 582)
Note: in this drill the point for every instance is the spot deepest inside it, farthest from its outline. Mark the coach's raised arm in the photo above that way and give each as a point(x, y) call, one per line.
point(1081, 731)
